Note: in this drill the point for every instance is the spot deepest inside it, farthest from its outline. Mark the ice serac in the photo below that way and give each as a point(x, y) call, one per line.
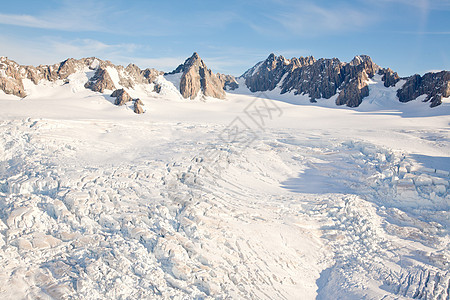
point(433, 85)
point(196, 78)
point(318, 78)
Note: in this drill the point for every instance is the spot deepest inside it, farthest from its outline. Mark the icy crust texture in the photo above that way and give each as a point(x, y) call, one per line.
point(191, 225)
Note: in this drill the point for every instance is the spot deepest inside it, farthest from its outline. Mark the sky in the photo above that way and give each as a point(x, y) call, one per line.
point(409, 36)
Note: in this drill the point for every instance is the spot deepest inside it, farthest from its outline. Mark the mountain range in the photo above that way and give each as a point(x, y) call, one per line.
point(316, 78)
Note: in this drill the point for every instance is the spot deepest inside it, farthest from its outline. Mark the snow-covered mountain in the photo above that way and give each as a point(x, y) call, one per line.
point(318, 79)
point(324, 78)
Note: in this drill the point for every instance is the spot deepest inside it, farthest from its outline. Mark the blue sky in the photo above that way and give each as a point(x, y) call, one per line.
point(410, 36)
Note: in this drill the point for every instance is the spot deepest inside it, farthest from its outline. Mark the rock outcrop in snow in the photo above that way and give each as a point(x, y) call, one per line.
point(196, 78)
point(389, 77)
point(433, 85)
point(122, 97)
point(100, 82)
point(138, 106)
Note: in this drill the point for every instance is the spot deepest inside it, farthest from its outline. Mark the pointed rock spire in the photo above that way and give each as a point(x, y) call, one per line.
point(197, 77)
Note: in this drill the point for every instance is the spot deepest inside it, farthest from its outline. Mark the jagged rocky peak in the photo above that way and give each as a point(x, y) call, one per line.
point(364, 62)
point(13, 74)
point(196, 78)
point(267, 74)
point(321, 78)
point(434, 85)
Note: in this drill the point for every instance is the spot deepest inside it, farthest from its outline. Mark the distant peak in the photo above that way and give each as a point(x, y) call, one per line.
point(271, 56)
point(194, 58)
point(358, 59)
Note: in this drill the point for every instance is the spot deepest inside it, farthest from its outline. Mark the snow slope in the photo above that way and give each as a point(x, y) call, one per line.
point(247, 198)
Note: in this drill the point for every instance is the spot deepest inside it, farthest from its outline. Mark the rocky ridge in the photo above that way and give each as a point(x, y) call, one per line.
point(434, 85)
point(12, 74)
point(324, 78)
point(196, 78)
point(317, 78)
point(321, 78)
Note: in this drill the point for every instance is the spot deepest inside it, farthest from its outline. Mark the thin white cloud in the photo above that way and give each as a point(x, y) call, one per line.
point(26, 21)
point(310, 19)
point(69, 16)
point(421, 4)
point(92, 16)
point(67, 24)
point(49, 50)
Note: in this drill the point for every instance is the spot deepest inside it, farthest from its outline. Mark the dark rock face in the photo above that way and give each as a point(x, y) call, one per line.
point(321, 79)
point(354, 91)
point(122, 97)
point(266, 75)
point(434, 85)
point(389, 77)
point(138, 106)
point(197, 77)
point(318, 78)
point(229, 82)
point(100, 82)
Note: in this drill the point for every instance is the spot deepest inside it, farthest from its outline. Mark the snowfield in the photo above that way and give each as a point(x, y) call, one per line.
point(243, 198)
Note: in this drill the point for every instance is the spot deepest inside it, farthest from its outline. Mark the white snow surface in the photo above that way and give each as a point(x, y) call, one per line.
point(258, 196)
